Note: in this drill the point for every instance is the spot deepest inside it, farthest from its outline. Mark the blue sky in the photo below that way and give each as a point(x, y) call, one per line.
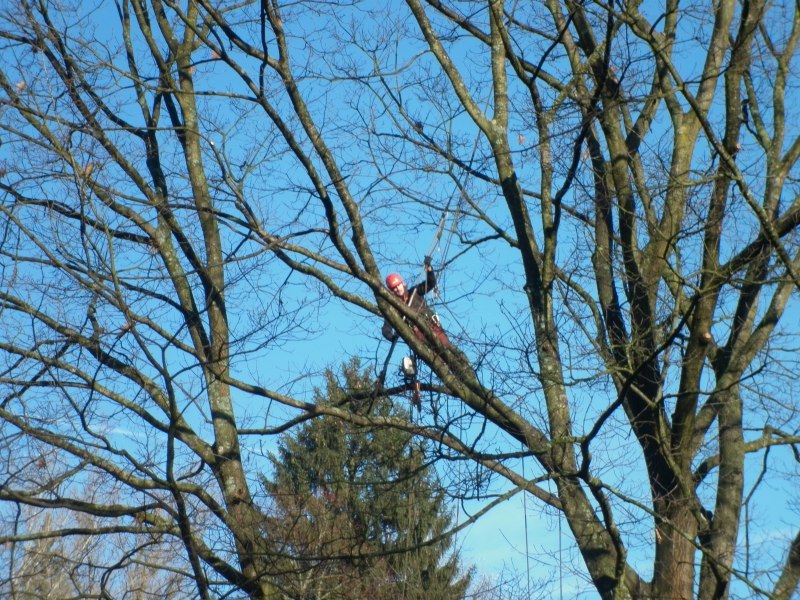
point(482, 305)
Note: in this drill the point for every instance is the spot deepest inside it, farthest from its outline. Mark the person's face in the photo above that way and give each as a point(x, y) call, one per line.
point(399, 290)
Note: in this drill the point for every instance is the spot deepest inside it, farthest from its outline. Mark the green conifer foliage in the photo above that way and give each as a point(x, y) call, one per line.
point(357, 513)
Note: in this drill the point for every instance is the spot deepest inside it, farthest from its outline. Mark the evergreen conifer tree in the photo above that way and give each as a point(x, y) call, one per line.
point(356, 510)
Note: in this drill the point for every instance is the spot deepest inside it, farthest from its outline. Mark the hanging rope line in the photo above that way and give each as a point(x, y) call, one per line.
point(382, 376)
point(560, 563)
point(454, 226)
point(458, 211)
point(525, 519)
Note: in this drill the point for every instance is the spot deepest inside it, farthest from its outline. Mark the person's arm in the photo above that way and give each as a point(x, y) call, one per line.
point(430, 279)
point(426, 286)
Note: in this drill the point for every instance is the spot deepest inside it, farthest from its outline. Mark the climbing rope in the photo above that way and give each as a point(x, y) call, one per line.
point(525, 521)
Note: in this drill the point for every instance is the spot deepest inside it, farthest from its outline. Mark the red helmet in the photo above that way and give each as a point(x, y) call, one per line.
point(393, 280)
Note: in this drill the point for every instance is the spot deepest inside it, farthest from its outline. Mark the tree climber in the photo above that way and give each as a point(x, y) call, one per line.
point(415, 299)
